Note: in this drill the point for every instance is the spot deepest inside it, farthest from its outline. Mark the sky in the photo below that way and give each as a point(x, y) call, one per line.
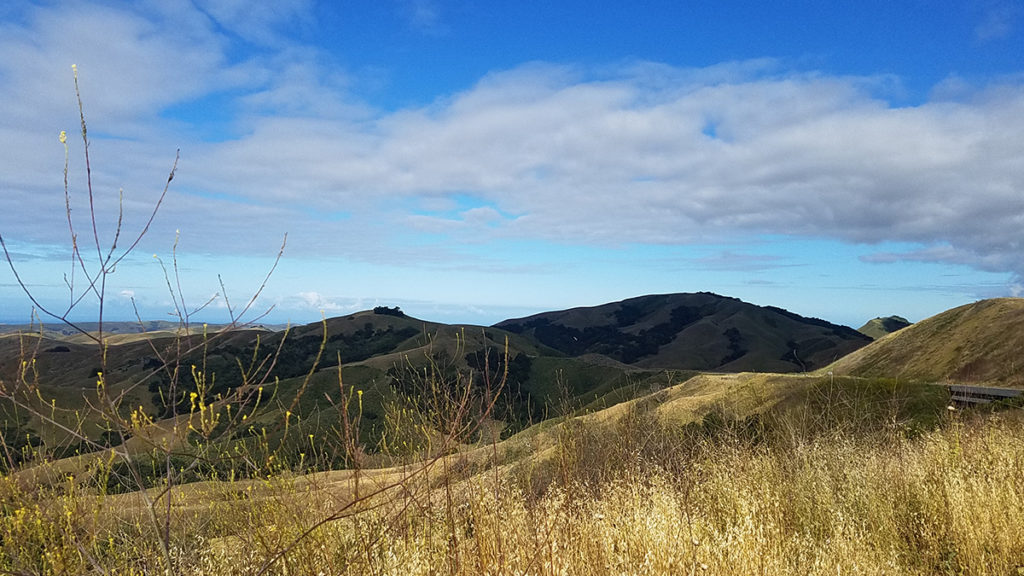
point(474, 161)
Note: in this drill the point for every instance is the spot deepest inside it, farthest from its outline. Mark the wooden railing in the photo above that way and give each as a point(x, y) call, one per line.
point(960, 394)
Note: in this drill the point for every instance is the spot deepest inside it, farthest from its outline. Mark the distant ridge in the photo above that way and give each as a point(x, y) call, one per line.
point(551, 364)
point(979, 343)
point(122, 329)
point(878, 327)
point(701, 331)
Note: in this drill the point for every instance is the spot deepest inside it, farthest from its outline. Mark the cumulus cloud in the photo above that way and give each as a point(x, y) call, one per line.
point(316, 301)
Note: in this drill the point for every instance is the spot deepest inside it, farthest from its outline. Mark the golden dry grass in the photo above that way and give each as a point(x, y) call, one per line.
point(976, 343)
point(948, 502)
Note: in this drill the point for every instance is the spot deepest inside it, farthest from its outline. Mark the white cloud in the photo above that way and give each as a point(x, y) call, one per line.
point(316, 301)
point(633, 153)
point(613, 160)
point(132, 63)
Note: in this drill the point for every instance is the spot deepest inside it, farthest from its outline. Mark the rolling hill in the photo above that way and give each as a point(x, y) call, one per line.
point(700, 331)
point(878, 327)
point(390, 358)
point(554, 364)
point(60, 331)
point(394, 360)
point(981, 343)
point(730, 432)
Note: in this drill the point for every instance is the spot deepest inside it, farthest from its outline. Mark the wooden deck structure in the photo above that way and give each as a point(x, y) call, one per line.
point(980, 394)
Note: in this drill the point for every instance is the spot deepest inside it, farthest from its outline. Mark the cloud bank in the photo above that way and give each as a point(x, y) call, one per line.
point(652, 154)
point(630, 153)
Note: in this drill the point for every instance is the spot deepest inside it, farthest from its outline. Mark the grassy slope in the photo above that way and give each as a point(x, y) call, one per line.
point(66, 374)
point(979, 343)
point(944, 503)
point(802, 405)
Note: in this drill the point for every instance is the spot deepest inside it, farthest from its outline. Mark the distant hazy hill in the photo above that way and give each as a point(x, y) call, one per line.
point(878, 327)
point(700, 331)
point(981, 342)
point(120, 331)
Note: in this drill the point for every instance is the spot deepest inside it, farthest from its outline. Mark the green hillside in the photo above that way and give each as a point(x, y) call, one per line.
point(979, 343)
point(878, 327)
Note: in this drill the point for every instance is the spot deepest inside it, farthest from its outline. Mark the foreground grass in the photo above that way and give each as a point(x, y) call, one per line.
point(946, 502)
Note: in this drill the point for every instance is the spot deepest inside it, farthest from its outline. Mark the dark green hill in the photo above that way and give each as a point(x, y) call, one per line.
point(701, 331)
point(878, 327)
point(387, 355)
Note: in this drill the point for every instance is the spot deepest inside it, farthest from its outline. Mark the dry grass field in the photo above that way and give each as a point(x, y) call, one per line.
point(649, 487)
point(840, 471)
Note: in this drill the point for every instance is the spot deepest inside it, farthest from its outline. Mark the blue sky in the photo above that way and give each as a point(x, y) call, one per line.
point(474, 161)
